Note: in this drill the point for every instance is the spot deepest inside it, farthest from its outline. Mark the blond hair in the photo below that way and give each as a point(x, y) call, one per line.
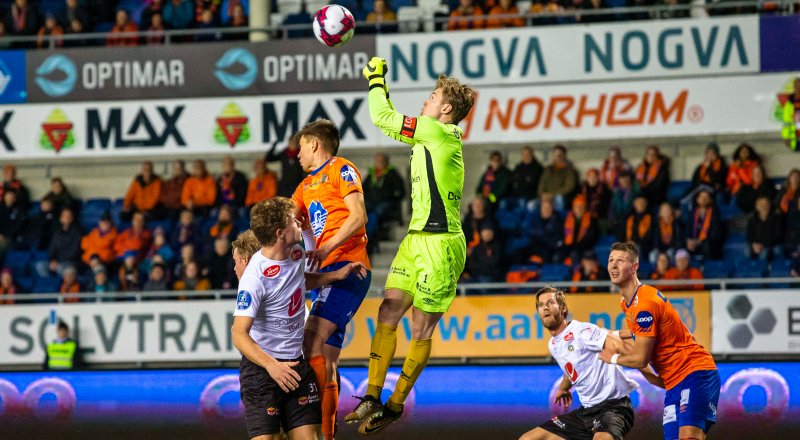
point(460, 96)
point(246, 243)
point(558, 295)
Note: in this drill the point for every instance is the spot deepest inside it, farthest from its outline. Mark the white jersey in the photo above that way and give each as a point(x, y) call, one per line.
point(576, 349)
point(273, 294)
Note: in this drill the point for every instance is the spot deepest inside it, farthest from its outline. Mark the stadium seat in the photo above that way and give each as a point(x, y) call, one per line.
point(47, 285)
point(25, 283)
point(92, 210)
point(554, 272)
point(116, 211)
point(645, 268)
point(676, 190)
point(17, 261)
point(748, 268)
point(717, 269)
point(312, 6)
point(408, 18)
point(780, 268)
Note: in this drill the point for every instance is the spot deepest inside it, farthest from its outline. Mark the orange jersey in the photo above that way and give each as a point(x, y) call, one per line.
point(320, 197)
point(676, 353)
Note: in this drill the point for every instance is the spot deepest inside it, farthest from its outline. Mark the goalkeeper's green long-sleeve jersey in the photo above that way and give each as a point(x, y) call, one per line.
point(437, 164)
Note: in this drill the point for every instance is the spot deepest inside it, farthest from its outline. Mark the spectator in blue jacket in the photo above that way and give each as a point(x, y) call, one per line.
point(178, 14)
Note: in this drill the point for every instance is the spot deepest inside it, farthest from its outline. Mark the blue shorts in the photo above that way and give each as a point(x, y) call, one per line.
point(693, 402)
point(339, 302)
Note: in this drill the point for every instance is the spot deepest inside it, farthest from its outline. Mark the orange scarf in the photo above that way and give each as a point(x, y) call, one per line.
point(644, 226)
point(786, 199)
point(646, 175)
point(704, 174)
point(569, 228)
point(609, 175)
point(666, 231)
point(702, 233)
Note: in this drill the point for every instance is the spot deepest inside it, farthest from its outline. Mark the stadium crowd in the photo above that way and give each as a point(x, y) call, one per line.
point(535, 222)
point(54, 18)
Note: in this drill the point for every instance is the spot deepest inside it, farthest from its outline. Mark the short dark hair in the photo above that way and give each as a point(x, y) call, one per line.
point(62, 325)
point(267, 217)
point(325, 132)
point(558, 295)
point(629, 248)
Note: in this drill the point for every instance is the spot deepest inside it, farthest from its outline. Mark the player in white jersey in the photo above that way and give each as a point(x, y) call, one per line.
point(606, 412)
point(278, 388)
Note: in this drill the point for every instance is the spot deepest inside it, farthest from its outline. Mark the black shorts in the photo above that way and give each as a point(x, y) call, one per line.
point(268, 408)
point(613, 416)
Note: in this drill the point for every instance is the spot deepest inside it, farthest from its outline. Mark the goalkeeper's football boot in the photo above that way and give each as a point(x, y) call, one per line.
point(365, 408)
point(379, 421)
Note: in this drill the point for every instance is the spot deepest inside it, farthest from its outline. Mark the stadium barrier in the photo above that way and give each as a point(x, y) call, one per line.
point(477, 328)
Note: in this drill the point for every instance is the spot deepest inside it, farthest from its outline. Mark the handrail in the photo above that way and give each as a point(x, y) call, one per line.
point(171, 35)
point(463, 289)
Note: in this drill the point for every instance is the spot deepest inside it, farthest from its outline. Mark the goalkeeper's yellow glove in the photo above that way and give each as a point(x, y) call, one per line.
point(375, 72)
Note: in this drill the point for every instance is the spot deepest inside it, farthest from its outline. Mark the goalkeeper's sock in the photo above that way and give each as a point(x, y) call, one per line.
point(330, 401)
point(415, 362)
point(384, 343)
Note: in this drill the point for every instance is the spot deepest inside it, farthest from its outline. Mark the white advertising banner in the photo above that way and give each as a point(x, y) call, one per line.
point(755, 321)
point(576, 53)
point(122, 332)
point(613, 110)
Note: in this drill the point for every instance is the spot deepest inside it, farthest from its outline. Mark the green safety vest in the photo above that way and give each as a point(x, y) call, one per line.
point(60, 355)
point(789, 129)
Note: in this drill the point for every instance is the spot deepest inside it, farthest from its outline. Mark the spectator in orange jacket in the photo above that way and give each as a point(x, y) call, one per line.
point(192, 279)
point(231, 185)
point(143, 193)
point(136, 238)
point(199, 190)
point(682, 271)
point(123, 24)
point(741, 170)
point(172, 190)
point(223, 228)
point(263, 185)
point(504, 8)
point(51, 28)
point(459, 18)
point(580, 231)
point(100, 241)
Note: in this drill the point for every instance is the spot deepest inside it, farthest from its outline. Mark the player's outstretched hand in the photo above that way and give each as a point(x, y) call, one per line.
point(356, 268)
point(315, 258)
point(376, 67)
point(284, 375)
point(563, 398)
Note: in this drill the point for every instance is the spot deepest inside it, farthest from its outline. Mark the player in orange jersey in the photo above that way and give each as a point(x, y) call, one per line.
point(661, 339)
point(332, 201)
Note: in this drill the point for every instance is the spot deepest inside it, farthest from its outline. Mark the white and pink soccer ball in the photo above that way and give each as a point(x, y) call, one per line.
point(334, 25)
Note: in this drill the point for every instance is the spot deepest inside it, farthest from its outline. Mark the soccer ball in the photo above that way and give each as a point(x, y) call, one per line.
point(334, 25)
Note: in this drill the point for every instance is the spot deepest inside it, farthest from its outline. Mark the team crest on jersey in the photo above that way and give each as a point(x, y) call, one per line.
point(297, 254)
point(296, 303)
point(349, 174)
point(318, 216)
point(243, 300)
point(272, 271)
point(569, 337)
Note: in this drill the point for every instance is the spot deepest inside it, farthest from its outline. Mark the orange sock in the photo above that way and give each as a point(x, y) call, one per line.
point(330, 401)
point(317, 364)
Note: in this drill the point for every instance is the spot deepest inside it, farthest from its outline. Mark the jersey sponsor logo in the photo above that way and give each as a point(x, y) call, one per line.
point(272, 411)
point(243, 300)
point(272, 271)
point(297, 254)
point(669, 414)
point(685, 398)
point(645, 320)
point(302, 400)
point(349, 174)
point(318, 216)
point(559, 423)
point(296, 303)
point(571, 372)
point(409, 126)
point(569, 336)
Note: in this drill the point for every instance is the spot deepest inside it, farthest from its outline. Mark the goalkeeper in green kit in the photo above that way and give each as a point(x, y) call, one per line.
point(431, 257)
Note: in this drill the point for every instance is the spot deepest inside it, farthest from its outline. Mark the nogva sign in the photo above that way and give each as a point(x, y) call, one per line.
point(196, 70)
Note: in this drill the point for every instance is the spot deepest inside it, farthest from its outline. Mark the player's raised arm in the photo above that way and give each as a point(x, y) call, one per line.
point(406, 129)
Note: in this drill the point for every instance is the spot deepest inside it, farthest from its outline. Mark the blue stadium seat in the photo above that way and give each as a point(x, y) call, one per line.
point(116, 211)
point(516, 244)
point(717, 269)
point(676, 190)
point(645, 268)
point(748, 268)
point(508, 220)
point(554, 272)
point(780, 268)
point(18, 262)
point(92, 210)
point(47, 285)
point(25, 284)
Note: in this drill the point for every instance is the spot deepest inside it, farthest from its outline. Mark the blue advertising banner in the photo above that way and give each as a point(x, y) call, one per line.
point(12, 77)
point(780, 43)
point(757, 400)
